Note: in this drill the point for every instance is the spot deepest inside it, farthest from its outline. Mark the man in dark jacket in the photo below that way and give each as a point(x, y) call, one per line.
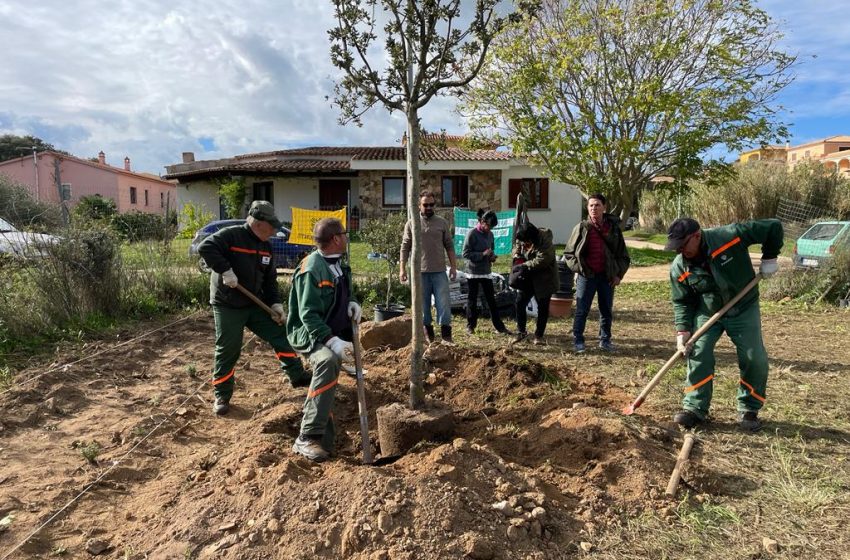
point(242, 255)
point(597, 253)
point(712, 267)
point(536, 247)
point(321, 308)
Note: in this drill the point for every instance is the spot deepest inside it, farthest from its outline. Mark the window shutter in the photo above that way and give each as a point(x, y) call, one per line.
point(544, 193)
point(514, 188)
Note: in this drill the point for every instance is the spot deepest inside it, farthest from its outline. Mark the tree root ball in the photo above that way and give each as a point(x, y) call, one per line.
point(400, 428)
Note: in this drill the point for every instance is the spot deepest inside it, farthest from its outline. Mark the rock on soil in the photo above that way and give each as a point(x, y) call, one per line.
point(393, 334)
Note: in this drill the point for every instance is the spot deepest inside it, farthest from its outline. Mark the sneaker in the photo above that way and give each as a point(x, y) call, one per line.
point(310, 448)
point(580, 347)
point(429, 334)
point(469, 330)
point(446, 334)
point(505, 332)
point(520, 336)
point(538, 341)
point(606, 345)
point(686, 419)
point(221, 406)
point(749, 420)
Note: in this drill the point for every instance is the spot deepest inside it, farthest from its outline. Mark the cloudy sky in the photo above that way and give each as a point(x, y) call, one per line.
point(153, 79)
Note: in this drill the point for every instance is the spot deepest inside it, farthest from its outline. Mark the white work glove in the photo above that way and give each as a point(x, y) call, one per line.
point(682, 338)
point(278, 308)
point(354, 311)
point(768, 267)
point(228, 277)
point(341, 348)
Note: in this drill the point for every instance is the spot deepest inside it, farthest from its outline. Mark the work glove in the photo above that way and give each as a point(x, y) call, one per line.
point(341, 348)
point(682, 338)
point(228, 277)
point(354, 311)
point(768, 267)
point(278, 308)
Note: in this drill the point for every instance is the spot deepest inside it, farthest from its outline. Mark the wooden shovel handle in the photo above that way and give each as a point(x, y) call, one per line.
point(259, 303)
point(701, 331)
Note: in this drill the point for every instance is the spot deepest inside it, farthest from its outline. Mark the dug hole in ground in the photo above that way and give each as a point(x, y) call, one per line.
point(542, 463)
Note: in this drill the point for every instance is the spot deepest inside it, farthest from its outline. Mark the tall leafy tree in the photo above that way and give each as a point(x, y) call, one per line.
point(430, 48)
point(607, 94)
point(12, 146)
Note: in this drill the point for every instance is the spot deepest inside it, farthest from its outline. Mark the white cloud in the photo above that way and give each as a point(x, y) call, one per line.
point(150, 79)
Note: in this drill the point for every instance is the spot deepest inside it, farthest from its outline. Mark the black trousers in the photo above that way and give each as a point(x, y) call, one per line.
point(486, 285)
point(542, 313)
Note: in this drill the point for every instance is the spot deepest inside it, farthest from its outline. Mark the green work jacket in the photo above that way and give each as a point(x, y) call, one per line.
point(252, 261)
point(705, 288)
point(311, 301)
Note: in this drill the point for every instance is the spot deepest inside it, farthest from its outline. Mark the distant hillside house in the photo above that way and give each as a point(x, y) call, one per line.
point(371, 181)
point(833, 152)
point(61, 178)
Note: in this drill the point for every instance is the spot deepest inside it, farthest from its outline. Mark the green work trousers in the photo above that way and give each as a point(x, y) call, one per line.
point(318, 406)
point(745, 331)
point(230, 323)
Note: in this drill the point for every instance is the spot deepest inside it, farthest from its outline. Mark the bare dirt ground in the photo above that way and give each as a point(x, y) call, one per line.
point(543, 465)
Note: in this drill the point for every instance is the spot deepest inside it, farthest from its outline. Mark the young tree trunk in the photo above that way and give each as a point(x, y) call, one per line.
point(417, 390)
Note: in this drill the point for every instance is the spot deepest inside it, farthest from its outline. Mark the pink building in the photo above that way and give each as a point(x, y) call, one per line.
point(54, 177)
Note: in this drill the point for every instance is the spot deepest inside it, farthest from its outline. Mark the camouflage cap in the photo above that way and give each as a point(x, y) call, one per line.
point(263, 210)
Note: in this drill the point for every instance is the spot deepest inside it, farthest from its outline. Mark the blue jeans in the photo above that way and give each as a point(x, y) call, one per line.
point(586, 288)
point(436, 283)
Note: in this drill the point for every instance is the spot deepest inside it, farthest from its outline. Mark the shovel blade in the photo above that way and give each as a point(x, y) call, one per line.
point(630, 409)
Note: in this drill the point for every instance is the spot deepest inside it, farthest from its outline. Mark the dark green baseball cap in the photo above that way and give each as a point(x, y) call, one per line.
point(263, 210)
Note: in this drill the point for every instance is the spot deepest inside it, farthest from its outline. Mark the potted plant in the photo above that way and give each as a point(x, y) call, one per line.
point(383, 235)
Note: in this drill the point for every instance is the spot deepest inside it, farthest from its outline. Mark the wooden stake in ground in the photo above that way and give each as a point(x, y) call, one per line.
point(684, 453)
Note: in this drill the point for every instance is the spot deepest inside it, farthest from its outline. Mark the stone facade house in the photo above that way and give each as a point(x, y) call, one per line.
point(371, 182)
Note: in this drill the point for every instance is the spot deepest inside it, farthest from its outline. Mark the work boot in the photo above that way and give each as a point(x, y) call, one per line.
point(686, 419)
point(221, 406)
point(506, 332)
point(446, 334)
point(749, 420)
point(520, 336)
point(606, 345)
point(429, 334)
point(470, 330)
point(580, 347)
point(538, 341)
point(310, 448)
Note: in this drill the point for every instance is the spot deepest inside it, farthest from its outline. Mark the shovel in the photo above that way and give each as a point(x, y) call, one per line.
point(629, 410)
point(361, 395)
point(275, 317)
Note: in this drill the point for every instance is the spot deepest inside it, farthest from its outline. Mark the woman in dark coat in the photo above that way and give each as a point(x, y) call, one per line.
point(478, 250)
point(537, 248)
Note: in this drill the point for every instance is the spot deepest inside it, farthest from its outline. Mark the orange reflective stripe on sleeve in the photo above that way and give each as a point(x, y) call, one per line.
point(327, 283)
point(264, 253)
point(285, 355)
point(243, 250)
point(684, 275)
point(752, 391)
point(225, 378)
point(320, 390)
point(696, 386)
point(724, 247)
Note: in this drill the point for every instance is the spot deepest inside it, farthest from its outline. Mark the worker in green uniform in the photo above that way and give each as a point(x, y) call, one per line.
point(242, 255)
point(712, 267)
point(321, 308)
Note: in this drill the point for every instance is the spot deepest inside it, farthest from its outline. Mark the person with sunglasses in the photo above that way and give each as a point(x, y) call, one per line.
point(437, 242)
point(322, 306)
point(712, 266)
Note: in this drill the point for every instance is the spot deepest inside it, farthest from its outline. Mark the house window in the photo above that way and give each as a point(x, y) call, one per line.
point(146, 197)
point(394, 191)
point(538, 192)
point(264, 191)
point(66, 191)
point(455, 191)
point(132, 195)
point(793, 157)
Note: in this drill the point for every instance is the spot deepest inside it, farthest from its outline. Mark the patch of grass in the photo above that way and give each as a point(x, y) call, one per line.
point(645, 291)
point(59, 551)
point(796, 484)
point(191, 370)
point(7, 378)
point(651, 237)
point(649, 257)
point(89, 451)
point(707, 517)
